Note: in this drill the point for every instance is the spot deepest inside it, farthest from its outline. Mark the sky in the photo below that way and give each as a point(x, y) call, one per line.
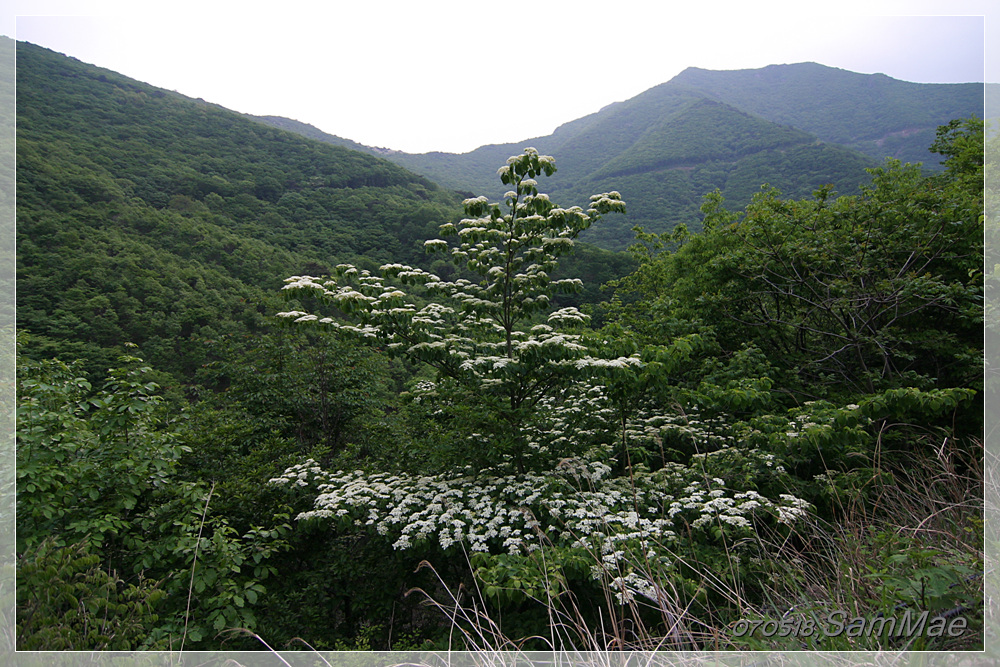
point(452, 75)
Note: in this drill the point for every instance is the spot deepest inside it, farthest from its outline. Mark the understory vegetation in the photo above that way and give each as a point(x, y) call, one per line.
point(766, 423)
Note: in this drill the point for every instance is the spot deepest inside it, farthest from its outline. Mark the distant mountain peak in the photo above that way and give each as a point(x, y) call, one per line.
point(796, 126)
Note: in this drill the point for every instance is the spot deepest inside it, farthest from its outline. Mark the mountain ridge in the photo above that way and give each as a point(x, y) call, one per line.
point(843, 121)
point(879, 103)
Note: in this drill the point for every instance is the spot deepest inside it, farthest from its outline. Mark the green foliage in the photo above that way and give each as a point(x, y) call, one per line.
point(315, 390)
point(285, 395)
point(514, 578)
point(914, 576)
point(767, 369)
point(86, 462)
point(213, 575)
point(860, 293)
point(66, 601)
point(962, 143)
point(899, 578)
point(99, 470)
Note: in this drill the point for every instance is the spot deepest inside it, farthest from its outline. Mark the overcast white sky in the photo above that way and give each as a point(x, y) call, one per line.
point(452, 75)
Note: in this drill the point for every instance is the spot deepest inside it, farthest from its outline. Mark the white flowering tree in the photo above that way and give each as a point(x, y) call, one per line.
point(543, 407)
point(494, 335)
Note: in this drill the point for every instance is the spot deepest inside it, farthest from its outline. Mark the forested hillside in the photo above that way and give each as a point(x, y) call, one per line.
point(149, 218)
point(873, 113)
point(703, 146)
point(794, 127)
point(273, 390)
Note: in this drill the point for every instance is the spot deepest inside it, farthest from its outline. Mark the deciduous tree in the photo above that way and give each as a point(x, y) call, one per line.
point(495, 337)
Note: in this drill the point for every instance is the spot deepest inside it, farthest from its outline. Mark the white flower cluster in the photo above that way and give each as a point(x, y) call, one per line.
point(708, 434)
point(579, 504)
point(568, 314)
point(791, 509)
point(626, 586)
point(620, 362)
point(502, 512)
point(301, 474)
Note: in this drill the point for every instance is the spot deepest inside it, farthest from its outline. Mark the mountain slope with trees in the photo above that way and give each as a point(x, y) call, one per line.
point(873, 113)
point(845, 122)
point(150, 218)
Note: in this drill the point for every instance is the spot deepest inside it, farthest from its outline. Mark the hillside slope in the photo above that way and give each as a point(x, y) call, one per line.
point(151, 218)
point(873, 113)
point(666, 169)
point(795, 127)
